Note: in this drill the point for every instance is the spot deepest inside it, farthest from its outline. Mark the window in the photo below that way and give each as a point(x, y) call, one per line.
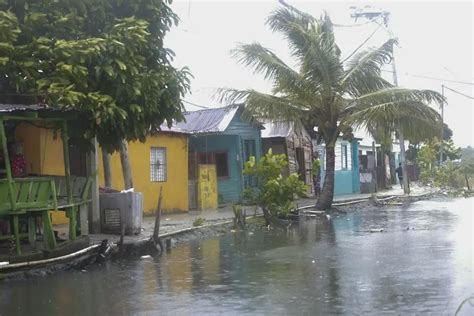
point(158, 164)
point(222, 166)
point(220, 159)
point(344, 156)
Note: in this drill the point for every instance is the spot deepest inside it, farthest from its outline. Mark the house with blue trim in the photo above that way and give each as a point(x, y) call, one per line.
point(221, 136)
point(346, 174)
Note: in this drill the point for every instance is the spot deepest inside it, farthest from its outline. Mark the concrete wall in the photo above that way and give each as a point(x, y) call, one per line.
point(175, 188)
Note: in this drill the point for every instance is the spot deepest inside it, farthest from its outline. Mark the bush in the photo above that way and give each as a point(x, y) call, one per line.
point(273, 192)
point(198, 221)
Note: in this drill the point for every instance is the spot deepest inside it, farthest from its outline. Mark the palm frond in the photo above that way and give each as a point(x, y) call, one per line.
point(363, 71)
point(264, 61)
point(265, 106)
point(395, 95)
point(415, 118)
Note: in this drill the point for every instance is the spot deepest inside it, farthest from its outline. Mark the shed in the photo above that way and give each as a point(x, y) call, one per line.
point(295, 143)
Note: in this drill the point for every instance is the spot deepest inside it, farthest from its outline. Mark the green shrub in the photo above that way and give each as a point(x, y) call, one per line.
point(198, 221)
point(273, 192)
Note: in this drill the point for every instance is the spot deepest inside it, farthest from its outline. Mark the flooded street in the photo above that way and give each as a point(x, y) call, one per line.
point(422, 262)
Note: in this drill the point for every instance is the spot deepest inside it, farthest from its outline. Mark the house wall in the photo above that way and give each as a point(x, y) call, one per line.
point(229, 188)
point(346, 181)
point(175, 188)
point(231, 141)
point(43, 150)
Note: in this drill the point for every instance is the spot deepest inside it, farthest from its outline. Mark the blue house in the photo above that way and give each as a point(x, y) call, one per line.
point(346, 174)
point(222, 137)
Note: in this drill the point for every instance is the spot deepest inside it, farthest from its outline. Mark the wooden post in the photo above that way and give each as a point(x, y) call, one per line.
point(156, 230)
point(48, 230)
point(67, 170)
point(16, 232)
point(3, 141)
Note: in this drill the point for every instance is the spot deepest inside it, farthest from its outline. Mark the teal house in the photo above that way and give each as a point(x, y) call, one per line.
point(222, 137)
point(346, 174)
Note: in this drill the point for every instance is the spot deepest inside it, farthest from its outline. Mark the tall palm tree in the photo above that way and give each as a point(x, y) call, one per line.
point(327, 91)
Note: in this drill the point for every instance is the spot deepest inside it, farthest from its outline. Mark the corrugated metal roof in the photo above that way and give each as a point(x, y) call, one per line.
point(173, 129)
point(7, 108)
point(277, 129)
point(209, 120)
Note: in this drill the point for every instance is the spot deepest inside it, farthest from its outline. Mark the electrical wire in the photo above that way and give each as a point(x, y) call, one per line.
point(460, 93)
point(194, 104)
point(362, 44)
point(440, 79)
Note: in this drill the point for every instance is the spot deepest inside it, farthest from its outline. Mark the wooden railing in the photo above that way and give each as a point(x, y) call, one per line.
point(27, 194)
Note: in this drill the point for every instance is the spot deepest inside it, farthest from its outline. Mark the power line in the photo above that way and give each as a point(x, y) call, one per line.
point(197, 105)
point(362, 44)
point(440, 79)
point(460, 93)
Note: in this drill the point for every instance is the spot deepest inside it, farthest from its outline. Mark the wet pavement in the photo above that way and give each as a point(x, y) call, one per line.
point(414, 259)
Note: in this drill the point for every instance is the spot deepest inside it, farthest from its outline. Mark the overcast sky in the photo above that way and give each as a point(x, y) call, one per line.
point(436, 40)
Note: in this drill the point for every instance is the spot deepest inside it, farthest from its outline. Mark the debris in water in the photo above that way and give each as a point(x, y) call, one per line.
point(145, 257)
point(250, 233)
point(314, 261)
point(232, 230)
point(376, 230)
point(83, 270)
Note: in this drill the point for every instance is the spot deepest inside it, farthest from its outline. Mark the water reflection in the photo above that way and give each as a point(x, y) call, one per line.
point(319, 266)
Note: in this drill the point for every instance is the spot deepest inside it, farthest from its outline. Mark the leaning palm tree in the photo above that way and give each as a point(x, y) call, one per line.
point(327, 91)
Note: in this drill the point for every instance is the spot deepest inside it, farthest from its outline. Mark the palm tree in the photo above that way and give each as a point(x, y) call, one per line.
point(326, 90)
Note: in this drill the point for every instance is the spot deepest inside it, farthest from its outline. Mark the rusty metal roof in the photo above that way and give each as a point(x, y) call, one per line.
point(8, 108)
point(209, 120)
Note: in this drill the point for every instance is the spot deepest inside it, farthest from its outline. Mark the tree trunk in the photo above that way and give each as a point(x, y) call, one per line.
point(266, 215)
point(406, 185)
point(107, 168)
point(467, 182)
point(126, 170)
point(324, 201)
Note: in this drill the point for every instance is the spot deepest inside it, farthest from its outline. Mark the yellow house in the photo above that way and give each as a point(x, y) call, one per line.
point(161, 161)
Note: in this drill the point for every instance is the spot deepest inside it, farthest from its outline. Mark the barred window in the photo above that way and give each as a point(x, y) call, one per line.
point(158, 164)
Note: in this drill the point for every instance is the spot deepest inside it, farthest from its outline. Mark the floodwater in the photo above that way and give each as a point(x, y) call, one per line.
point(422, 262)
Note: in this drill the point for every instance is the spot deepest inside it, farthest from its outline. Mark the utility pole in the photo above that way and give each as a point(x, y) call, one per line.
point(372, 14)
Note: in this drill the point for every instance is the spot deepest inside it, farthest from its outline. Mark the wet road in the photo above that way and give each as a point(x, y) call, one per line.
point(422, 262)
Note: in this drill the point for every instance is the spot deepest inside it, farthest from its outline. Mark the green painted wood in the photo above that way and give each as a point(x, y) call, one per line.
point(67, 169)
point(6, 158)
point(16, 233)
point(24, 189)
point(48, 231)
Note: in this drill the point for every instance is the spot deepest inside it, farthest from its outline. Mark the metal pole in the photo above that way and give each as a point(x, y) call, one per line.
point(401, 137)
point(442, 128)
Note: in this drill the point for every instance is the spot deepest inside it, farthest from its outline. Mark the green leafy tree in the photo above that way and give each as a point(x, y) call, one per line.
point(104, 58)
point(328, 90)
point(273, 193)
